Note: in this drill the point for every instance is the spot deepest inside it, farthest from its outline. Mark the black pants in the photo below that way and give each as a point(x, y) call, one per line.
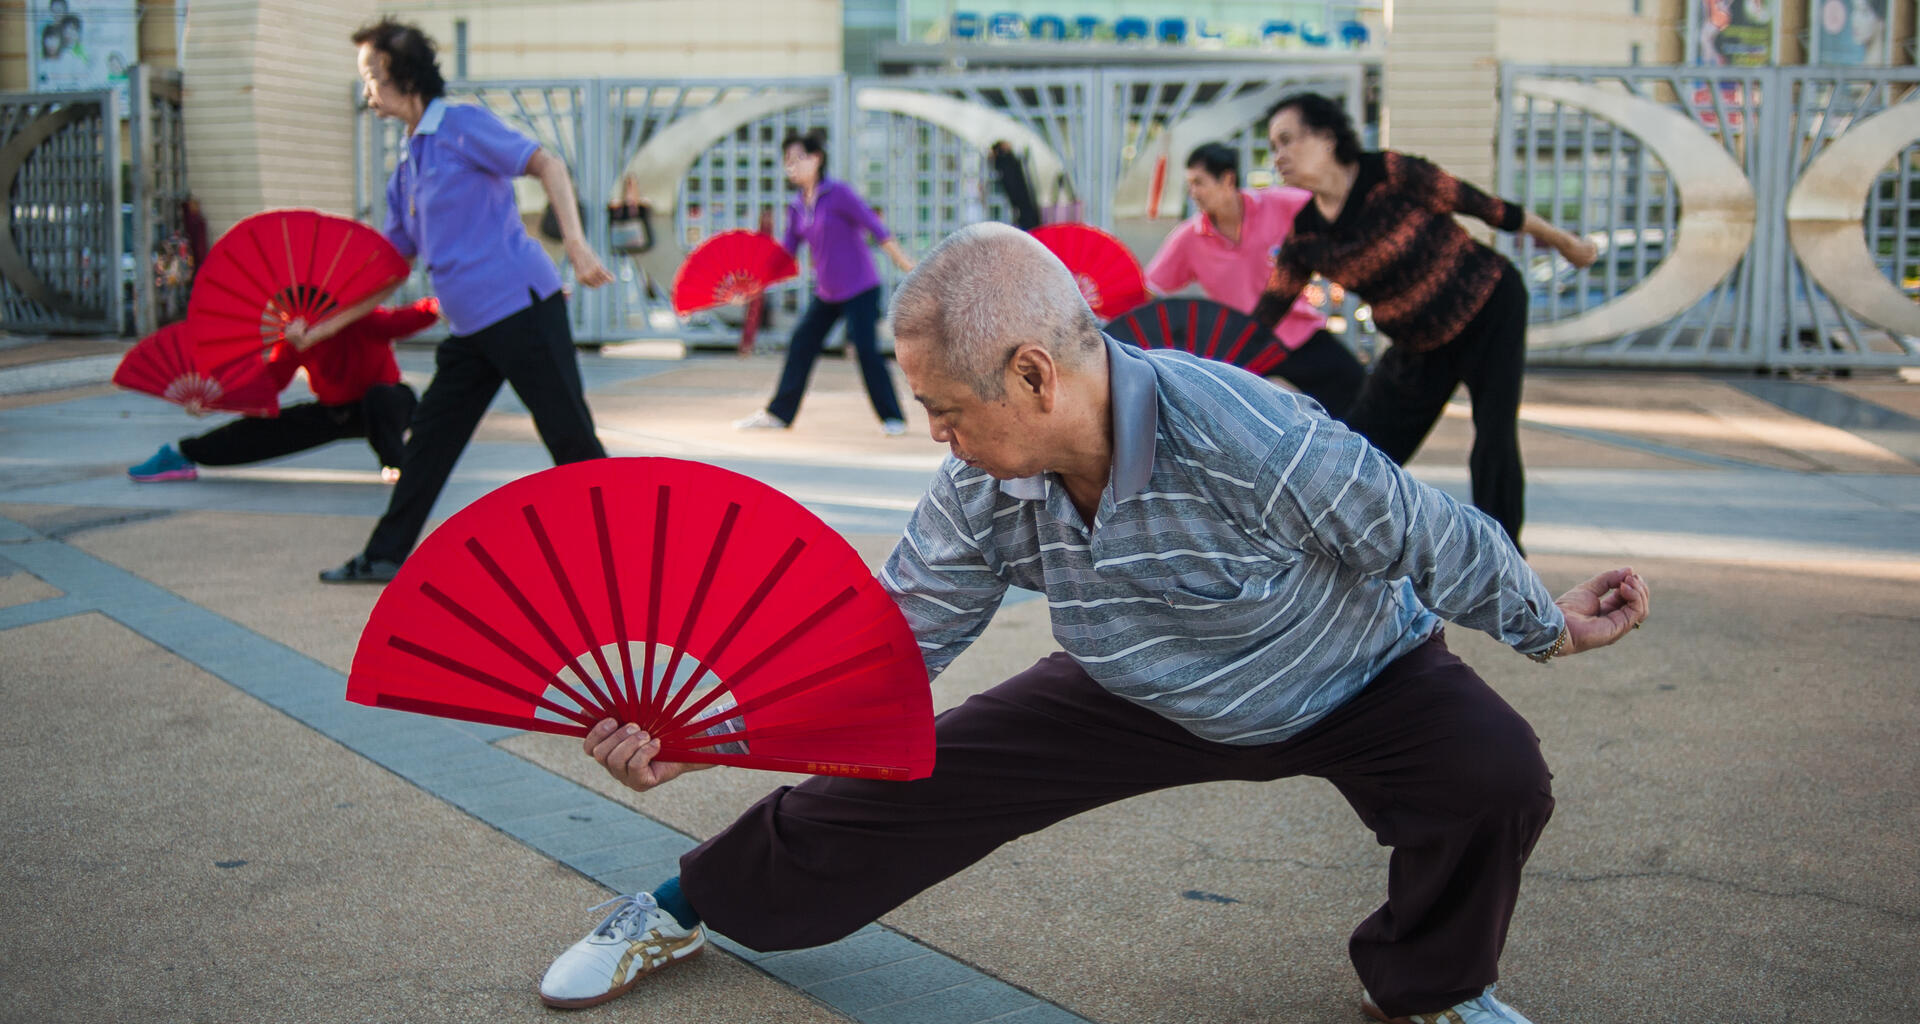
point(380, 416)
point(862, 312)
point(533, 351)
point(1434, 762)
point(1407, 391)
point(1326, 371)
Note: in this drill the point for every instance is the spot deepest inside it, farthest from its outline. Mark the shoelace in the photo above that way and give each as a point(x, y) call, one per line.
point(631, 913)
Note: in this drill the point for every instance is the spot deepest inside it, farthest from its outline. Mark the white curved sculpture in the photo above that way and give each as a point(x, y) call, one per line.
point(980, 126)
point(1714, 229)
point(1824, 213)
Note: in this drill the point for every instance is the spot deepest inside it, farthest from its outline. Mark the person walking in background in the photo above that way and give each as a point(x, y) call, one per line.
point(1381, 224)
point(1227, 246)
point(1012, 176)
point(450, 201)
point(357, 391)
point(831, 219)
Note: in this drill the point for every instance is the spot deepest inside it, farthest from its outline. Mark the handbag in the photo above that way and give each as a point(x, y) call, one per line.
point(1062, 210)
point(630, 230)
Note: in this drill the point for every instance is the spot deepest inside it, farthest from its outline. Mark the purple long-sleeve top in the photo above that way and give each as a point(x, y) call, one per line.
point(833, 229)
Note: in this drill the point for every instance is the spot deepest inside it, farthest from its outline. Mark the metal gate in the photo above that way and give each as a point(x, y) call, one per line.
point(706, 157)
point(60, 229)
point(1760, 217)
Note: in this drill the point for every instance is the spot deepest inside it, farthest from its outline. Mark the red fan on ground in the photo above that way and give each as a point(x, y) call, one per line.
point(163, 364)
point(1105, 270)
point(1204, 328)
point(282, 265)
point(730, 267)
point(706, 607)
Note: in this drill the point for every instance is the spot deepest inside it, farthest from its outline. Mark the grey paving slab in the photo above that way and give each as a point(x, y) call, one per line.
point(622, 849)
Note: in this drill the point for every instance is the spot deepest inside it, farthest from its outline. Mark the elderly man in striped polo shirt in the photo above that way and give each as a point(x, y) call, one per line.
point(1241, 588)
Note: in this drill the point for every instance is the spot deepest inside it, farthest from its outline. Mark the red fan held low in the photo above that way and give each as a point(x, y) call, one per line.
point(1109, 277)
point(275, 267)
point(163, 364)
point(732, 266)
point(1204, 328)
point(703, 606)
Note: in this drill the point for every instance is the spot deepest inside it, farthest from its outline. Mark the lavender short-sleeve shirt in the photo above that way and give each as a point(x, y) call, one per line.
point(834, 230)
point(450, 202)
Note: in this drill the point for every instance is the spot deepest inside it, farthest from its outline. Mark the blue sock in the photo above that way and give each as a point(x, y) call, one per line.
point(674, 902)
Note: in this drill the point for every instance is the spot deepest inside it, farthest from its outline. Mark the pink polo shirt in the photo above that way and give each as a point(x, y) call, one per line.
point(1235, 274)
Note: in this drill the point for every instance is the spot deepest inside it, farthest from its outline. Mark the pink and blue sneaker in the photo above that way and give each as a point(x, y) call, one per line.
point(166, 464)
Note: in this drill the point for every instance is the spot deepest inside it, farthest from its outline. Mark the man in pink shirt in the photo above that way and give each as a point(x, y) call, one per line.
point(1228, 248)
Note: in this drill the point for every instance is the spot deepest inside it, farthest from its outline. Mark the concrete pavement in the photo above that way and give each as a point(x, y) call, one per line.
point(200, 829)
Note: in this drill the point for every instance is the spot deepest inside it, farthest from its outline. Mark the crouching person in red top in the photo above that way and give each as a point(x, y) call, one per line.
point(358, 392)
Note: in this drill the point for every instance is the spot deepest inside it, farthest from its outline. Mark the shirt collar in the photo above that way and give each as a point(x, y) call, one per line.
point(1207, 230)
point(1134, 406)
point(430, 118)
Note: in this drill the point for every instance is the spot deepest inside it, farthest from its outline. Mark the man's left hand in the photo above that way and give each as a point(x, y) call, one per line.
point(1603, 609)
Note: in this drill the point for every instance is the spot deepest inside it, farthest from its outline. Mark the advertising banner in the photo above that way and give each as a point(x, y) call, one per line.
point(75, 45)
point(1850, 32)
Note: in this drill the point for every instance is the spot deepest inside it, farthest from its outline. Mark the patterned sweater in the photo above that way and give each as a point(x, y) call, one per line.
point(1396, 245)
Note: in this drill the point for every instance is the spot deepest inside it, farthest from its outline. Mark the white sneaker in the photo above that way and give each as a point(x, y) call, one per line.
point(893, 428)
point(1481, 1009)
point(762, 420)
point(635, 940)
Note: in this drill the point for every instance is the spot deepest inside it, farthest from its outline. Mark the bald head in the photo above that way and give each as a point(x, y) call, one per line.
point(983, 292)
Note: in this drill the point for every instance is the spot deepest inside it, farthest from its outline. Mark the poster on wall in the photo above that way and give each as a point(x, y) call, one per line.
point(1851, 32)
point(1733, 33)
point(76, 45)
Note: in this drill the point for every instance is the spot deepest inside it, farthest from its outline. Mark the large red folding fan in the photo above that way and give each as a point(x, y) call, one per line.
point(274, 267)
point(708, 608)
point(1204, 328)
point(730, 267)
point(1108, 275)
point(163, 364)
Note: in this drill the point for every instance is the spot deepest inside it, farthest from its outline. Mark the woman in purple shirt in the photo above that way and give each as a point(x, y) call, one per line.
point(450, 202)
point(830, 218)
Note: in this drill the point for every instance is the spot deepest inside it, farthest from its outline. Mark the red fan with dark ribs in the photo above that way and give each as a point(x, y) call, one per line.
point(1204, 328)
point(274, 267)
point(730, 267)
point(706, 607)
point(1108, 275)
point(163, 364)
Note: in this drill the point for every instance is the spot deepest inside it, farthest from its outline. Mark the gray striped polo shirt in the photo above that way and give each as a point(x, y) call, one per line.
point(1252, 565)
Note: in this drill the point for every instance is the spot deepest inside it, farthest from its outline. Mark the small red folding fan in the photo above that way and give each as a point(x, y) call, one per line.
point(704, 606)
point(1108, 275)
point(274, 267)
point(729, 267)
point(1204, 328)
point(163, 364)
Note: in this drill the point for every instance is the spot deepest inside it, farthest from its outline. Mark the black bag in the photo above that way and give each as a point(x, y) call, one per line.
point(550, 223)
point(630, 229)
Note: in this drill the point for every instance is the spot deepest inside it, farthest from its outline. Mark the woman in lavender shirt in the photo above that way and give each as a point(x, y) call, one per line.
point(450, 204)
point(829, 217)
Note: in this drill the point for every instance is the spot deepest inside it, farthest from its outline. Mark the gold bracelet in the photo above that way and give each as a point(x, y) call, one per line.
point(1559, 642)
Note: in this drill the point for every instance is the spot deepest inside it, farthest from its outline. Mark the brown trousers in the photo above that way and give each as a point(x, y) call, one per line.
point(1434, 762)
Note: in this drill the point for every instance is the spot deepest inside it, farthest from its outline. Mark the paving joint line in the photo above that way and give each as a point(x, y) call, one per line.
point(419, 749)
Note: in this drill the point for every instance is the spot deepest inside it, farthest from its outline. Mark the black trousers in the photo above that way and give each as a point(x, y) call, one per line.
point(1326, 371)
point(1407, 391)
point(533, 351)
point(862, 313)
point(1435, 763)
point(380, 416)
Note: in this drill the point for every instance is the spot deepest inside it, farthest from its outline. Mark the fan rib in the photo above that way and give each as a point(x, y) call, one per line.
point(1193, 324)
point(510, 649)
point(870, 656)
point(482, 676)
point(661, 508)
point(1246, 334)
point(781, 642)
point(610, 683)
point(454, 711)
point(604, 535)
point(1213, 339)
point(1166, 328)
point(699, 599)
point(520, 601)
point(835, 723)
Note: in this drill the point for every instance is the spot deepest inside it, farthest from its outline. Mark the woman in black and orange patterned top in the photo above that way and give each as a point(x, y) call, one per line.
point(1381, 224)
